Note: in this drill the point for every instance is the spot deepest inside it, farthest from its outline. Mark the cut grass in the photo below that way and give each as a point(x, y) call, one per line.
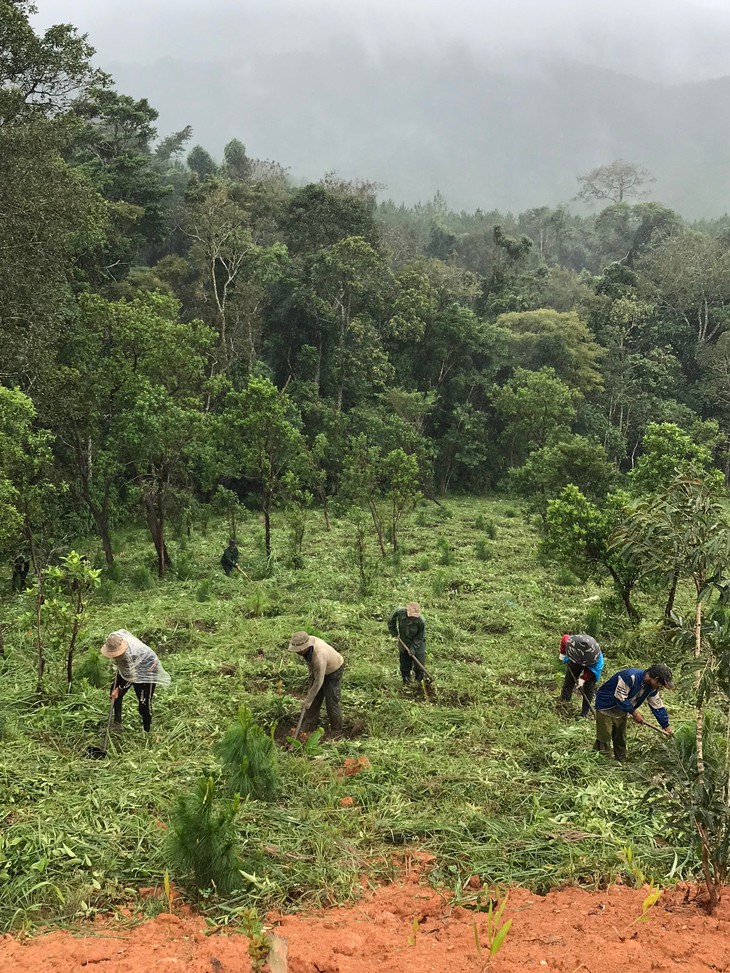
point(485, 775)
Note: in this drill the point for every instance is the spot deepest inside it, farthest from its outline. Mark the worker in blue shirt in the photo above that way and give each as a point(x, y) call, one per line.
point(620, 697)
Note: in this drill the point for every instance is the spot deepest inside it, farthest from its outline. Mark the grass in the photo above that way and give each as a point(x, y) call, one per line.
point(486, 776)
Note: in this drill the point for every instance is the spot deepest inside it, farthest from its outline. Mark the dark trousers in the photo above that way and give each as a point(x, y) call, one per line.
point(573, 672)
point(143, 690)
point(407, 664)
point(329, 692)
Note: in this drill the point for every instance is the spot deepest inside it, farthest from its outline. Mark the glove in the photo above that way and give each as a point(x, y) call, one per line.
point(581, 682)
point(563, 658)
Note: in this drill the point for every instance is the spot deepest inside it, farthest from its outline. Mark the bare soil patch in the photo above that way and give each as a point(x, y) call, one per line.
point(407, 927)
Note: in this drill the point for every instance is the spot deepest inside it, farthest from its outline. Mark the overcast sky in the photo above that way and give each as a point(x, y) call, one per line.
point(671, 40)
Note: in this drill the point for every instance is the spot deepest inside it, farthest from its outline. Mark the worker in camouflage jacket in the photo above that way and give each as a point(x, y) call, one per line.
point(409, 625)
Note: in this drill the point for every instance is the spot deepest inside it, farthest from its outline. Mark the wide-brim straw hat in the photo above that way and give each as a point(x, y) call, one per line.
point(413, 609)
point(114, 646)
point(300, 642)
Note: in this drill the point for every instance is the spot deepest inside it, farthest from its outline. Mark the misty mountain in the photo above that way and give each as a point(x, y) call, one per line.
point(486, 136)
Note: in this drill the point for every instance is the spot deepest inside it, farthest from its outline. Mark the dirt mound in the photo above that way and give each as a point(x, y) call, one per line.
point(409, 928)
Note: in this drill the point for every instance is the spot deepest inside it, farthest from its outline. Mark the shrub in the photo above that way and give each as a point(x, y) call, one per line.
point(105, 592)
point(446, 554)
point(510, 512)
point(483, 550)
point(184, 568)
point(440, 583)
point(490, 529)
point(94, 669)
point(141, 578)
point(248, 757)
point(204, 590)
point(594, 621)
point(423, 563)
point(201, 846)
point(113, 572)
point(566, 579)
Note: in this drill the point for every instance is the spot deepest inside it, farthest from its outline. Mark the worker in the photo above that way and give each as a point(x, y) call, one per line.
point(409, 626)
point(137, 667)
point(584, 664)
point(620, 697)
point(229, 560)
point(325, 666)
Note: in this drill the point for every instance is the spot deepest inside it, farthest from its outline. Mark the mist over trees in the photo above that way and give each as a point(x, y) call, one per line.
point(175, 321)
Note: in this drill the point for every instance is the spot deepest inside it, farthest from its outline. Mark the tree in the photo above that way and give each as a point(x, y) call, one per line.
point(561, 341)
point(112, 149)
point(261, 442)
point(234, 272)
point(344, 292)
point(689, 276)
point(201, 162)
point(536, 408)
point(237, 164)
point(616, 181)
point(574, 460)
point(28, 492)
point(577, 533)
point(684, 532)
point(47, 212)
point(667, 450)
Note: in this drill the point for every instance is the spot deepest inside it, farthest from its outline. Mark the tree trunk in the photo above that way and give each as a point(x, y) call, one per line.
point(156, 527)
point(672, 594)
point(267, 533)
point(624, 591)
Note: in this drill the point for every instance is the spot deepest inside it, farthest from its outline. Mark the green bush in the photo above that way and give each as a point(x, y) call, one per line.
point(566, 579)
point(105, 592)
point(483, 550)
point(184, 568)
point(204, 591)
point(440, 582)
point(113, 572)
point(249, 758)
point(594, 621)
point(201, 846)
point(423, 564)
point(141, 578)
point(511, 512)
point(94, 668)
point(446, 554)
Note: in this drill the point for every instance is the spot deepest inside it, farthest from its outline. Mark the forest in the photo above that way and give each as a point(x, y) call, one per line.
point(502, 414)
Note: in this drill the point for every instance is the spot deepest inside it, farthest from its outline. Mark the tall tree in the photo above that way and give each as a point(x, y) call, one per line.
point(616, 182)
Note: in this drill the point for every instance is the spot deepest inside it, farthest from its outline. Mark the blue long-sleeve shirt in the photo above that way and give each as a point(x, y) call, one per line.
point(626, 690)
point(595, 667)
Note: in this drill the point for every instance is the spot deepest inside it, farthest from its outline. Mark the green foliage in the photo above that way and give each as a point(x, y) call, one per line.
point(575, 460)
point(594, 619)
point(204, 591)
point(248, 758)
point(566, 578)
point(667, 451)
point(93, 668)
point(202, 847)
point(140, 578)
point(578, 533)
point(483, 550)
point(446, 553)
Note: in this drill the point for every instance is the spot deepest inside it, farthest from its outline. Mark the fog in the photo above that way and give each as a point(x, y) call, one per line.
point(387, 90)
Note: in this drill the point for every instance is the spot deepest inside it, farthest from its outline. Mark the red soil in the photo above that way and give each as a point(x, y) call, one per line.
point(572, 930)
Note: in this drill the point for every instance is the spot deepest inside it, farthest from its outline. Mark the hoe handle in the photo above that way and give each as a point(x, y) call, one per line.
point(424, 670)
